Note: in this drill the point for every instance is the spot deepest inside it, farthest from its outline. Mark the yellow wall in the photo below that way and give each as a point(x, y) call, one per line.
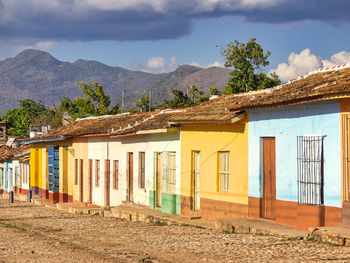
point(209, 140)
point(39, 165)
point(80, 146)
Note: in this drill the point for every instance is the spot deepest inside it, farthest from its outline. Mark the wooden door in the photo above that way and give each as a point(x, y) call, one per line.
point(130, 177)
point(159, 176)
point(107, 182)
point(81, 180)
point(90, 181)
point(196, 181)
point(268, 208)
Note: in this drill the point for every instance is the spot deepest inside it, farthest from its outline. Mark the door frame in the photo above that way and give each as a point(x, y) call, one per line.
point(130, 177)
point(195, 182)
point(90, 179)
point(268, 210)
point(81, 179)
point(107, 182)
point(158, 190)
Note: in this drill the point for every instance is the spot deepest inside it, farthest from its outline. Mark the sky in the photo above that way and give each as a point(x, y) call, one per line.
point(159, 35)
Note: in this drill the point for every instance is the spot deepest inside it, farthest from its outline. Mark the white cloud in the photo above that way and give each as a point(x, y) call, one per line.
point(216, 64)
point(157, 65)
point(305, 62)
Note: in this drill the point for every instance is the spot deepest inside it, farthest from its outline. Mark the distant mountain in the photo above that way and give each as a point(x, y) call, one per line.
point(37, 75)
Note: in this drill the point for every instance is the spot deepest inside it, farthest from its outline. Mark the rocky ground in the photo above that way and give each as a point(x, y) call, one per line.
point(37, 234)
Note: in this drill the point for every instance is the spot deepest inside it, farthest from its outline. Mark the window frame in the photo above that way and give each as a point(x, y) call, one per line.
point(97, 173)
point(76, 171)
point(224, 174)
point(142, 169)
point(310, 170)
point(115, 174)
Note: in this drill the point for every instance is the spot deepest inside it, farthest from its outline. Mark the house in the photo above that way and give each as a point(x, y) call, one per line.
point(298, 150)
point(214, 159)
point(13, 158)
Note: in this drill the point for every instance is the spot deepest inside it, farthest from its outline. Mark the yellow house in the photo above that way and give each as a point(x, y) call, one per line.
point(51, 162)
point(214, 159)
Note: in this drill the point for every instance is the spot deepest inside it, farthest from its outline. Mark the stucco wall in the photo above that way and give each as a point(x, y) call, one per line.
point(285, 124)
point(209, 140)
point(160, 143)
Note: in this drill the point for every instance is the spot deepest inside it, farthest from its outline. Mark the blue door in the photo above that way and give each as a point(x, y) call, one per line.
point(54, 173)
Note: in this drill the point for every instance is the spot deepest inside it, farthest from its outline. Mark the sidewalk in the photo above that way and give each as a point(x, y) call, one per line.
point(137, 214)
point(332, 235)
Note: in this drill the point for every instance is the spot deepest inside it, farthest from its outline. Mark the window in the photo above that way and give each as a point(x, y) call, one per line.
point(170, 172)
point(310, 169)
point(224, 174)
point(115, 174)
point(16, 175)
point(1, 176)
point(141, 169)
point(97, 172)
point(76, 172)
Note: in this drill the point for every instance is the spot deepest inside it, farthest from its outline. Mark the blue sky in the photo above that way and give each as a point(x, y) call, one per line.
point(159, 35)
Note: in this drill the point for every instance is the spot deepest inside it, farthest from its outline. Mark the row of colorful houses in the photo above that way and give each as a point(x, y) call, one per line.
point(280, 154)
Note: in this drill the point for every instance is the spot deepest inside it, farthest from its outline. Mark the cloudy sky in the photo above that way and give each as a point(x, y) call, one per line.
point(158, 35)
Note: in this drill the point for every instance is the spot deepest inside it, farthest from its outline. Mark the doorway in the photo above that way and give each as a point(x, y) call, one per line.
point(130, 177)
point(268, 205)
point(159, 176)
point(107, 182)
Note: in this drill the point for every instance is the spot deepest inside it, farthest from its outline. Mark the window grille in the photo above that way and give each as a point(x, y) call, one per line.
point(310, 169)
point(115, 174)
point(224, 171)
point(171, 172)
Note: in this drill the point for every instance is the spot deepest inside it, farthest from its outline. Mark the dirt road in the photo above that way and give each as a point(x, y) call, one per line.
point(37, 234)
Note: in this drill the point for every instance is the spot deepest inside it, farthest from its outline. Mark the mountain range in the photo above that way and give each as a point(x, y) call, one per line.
point(37, 75)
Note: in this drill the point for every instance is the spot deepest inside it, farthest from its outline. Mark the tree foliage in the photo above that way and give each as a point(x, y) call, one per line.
point(29, 113)
point(143, 103)
point(213, 91)
point(247, 60)
point(182, 100)
point(95, 103)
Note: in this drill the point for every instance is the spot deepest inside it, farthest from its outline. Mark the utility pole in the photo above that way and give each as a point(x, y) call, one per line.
point(187, 91)
point(150, 100)
point(123, 100)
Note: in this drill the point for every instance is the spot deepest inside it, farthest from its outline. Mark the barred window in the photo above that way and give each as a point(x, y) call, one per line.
point(310, 169)
point(169, 172)
point(224, 159)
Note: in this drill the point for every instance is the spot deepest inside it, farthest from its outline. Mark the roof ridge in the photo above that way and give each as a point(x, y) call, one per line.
point(320, 70)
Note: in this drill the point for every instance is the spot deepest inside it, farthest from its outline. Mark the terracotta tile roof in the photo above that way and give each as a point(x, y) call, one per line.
point(7, 152)
point(113, 124)
point(215, 110)
point(319, 85)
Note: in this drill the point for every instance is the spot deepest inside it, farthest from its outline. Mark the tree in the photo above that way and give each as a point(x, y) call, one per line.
point(180, 100)
point(95, 103)
point(195, 92)
point(213, 91)
point(143, 103)
point(246, 60)
point(29, 113)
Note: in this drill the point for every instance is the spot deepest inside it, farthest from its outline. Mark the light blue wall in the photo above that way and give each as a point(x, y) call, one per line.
point(285, 124)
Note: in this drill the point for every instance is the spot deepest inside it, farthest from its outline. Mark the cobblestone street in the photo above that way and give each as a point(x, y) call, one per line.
point(37, 234)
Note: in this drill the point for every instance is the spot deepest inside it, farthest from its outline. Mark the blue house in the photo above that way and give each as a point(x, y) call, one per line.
point(298, 145)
